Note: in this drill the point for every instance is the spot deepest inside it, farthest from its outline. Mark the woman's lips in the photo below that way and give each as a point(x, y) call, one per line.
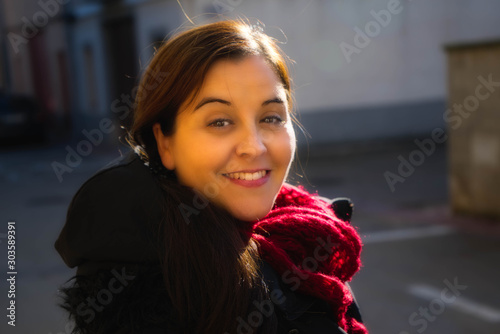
point(249, 180)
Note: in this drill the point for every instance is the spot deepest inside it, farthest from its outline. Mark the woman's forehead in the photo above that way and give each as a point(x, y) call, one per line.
point(230, 79)
point(249, 71)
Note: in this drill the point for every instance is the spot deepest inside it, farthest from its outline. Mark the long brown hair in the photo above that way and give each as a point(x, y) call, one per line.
point(210, 263)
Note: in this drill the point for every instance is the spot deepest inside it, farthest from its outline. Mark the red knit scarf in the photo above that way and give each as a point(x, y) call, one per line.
point(293, 237)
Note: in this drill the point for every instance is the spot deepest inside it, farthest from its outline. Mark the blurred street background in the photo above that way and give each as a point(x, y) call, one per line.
point(400, 101)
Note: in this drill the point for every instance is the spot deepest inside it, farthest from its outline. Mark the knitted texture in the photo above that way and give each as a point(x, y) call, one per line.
point(304, 241)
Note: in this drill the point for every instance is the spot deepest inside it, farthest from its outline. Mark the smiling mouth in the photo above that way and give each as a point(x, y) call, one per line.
point(247, 176)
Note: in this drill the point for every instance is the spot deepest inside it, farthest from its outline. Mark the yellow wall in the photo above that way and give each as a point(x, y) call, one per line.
point(474, 128)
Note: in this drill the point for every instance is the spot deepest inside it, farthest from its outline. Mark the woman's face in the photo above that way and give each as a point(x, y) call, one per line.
point(235, 142)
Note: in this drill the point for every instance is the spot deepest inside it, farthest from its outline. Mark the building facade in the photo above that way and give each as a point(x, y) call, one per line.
point(363, 69)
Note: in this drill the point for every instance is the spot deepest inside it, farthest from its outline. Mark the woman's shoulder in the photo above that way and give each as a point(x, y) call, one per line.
point(112, 209)
point(125, 184)
point(128, 171)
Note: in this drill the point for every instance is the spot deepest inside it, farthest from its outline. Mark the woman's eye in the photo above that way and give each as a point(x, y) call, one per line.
point(273, 120)
point(219, 123)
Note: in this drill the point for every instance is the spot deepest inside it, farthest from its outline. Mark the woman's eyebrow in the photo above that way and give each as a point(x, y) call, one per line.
point(209, 99)
point(273, 100)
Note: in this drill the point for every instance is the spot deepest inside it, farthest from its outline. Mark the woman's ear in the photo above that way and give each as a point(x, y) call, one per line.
point(164, 147)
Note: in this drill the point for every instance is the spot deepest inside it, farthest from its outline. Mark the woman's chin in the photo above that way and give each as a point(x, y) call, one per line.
point(249, 215)
point(246, 208)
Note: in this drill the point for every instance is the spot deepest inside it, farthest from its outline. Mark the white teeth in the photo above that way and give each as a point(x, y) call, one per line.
point(247, 176)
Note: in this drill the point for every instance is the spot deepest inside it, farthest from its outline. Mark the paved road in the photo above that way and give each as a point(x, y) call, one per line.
point(424, 270)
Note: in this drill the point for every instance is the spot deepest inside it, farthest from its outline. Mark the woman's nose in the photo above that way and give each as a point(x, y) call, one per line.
point(252, 143)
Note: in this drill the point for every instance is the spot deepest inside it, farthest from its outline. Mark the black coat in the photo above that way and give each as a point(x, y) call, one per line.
point(296, 312)
point(128, 192)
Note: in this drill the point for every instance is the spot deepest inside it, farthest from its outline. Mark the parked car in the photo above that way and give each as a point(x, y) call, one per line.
point(21, 120)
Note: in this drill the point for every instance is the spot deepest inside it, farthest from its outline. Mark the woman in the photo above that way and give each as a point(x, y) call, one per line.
point(209, 238)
